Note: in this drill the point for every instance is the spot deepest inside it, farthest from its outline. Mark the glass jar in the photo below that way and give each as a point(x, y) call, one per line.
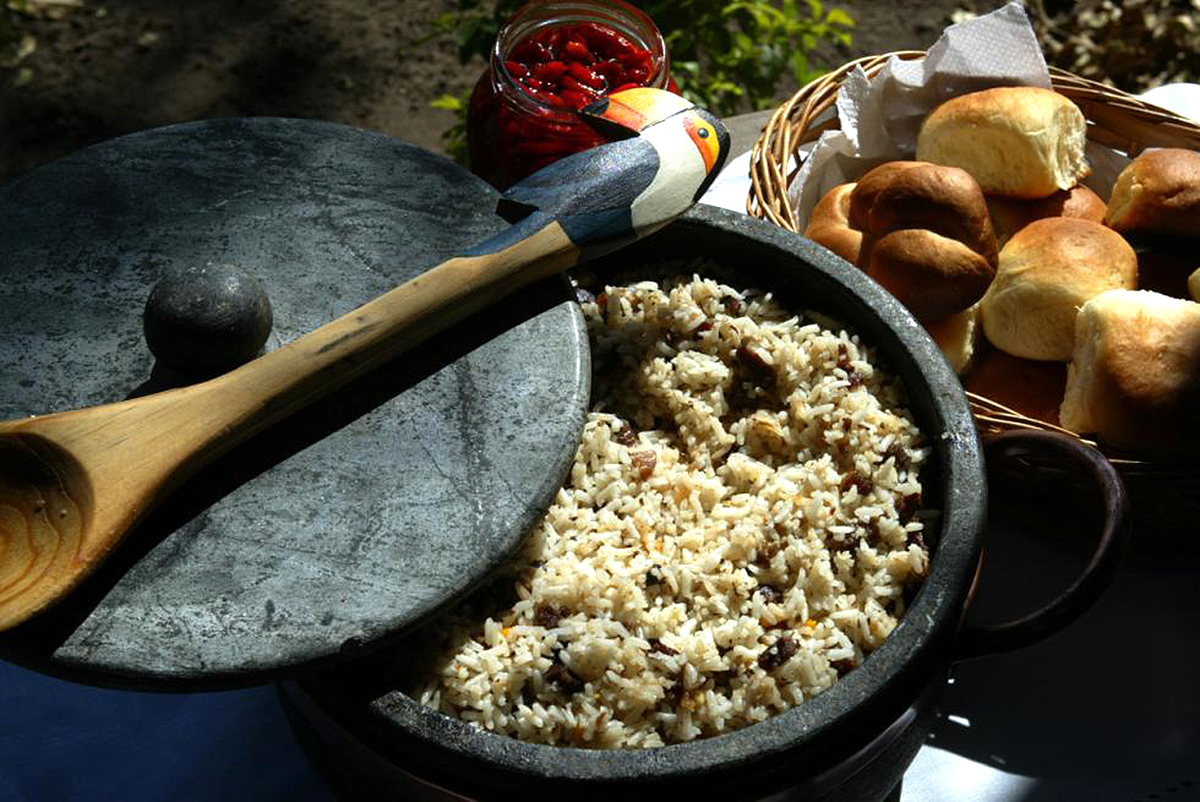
point(551, 58)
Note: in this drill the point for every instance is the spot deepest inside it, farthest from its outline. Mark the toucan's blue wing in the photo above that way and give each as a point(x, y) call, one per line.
point(600, 179)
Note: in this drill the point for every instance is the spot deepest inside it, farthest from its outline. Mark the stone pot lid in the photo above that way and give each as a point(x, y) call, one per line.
point(332, 534)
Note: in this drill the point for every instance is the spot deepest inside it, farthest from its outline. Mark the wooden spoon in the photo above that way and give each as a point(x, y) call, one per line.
point(73, 484)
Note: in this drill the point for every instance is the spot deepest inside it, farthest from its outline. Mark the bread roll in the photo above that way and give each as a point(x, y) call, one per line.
point(1048, 270)
point(916, 195)
point(1194, 285)
point(1017, 141)
point(1010, 215)
point(927, 237)
point(957, 336)
point(1158, 193)
point(933, 276)
point(1134, 377)
point(829, 224)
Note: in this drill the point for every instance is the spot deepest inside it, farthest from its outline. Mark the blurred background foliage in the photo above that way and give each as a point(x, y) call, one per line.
point(733, 55)
point(1132, 44)
point(727, 55)
point(16, 43)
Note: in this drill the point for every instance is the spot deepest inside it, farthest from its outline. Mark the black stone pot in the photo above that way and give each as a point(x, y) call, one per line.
point(852, 741)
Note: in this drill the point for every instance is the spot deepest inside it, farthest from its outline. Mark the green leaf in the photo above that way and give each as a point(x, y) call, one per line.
point(838, 17)
point(800, 70)
point(448, 102)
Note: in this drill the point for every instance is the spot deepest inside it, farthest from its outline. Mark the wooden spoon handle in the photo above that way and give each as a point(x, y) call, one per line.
point(115, 462)
point(268, 389)
point(54, 529)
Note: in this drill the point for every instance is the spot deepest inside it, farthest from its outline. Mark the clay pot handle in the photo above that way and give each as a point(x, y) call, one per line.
point(976, 641)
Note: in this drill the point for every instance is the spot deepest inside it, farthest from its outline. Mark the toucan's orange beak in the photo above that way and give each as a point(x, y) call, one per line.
point(633, 110)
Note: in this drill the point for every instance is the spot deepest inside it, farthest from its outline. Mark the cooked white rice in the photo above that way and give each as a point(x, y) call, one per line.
point(737, 530)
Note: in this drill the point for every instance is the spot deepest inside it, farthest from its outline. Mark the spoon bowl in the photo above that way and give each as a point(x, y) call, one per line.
point(45, 507)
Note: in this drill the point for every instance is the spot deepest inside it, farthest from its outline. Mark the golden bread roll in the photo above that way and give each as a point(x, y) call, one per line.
point(1134, 377)
point(1194, 285)
point(917, 195)
point(933, 276)
point(1048, 270)
point(1158, 193)
point(829, 224)
point(957, 336)
point(1029, 386)
point(927, 237)
point(1017, 141)
point(1010, 215)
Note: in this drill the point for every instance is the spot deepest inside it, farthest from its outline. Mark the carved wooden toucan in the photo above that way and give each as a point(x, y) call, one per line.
point(663, 154)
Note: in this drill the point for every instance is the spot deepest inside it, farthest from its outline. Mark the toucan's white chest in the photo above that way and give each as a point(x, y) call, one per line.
point(680, 167)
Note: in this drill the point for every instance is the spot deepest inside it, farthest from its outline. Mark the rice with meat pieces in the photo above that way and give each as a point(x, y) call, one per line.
point(738, 529)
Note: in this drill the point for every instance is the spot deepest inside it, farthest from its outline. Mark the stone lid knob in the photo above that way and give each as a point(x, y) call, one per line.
point(204, 320)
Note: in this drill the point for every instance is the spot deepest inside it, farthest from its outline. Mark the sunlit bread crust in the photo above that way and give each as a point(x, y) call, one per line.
point(1048, 270)
point(1158, 193)
point(1010, 215)
point(927, 237)
point(918, 195)
point(958, 337)
point(829, 224)
point(1134, 377)
point(1017, 141)
point(933, 276)
point(920, 230)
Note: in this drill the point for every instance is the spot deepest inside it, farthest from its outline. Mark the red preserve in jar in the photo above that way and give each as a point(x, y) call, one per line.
point(550, 59)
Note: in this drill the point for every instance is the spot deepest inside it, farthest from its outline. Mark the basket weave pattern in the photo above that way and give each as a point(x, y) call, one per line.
point(1115, 119)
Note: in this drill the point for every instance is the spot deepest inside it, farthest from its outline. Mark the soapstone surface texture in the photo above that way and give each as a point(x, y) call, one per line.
point(337, 530)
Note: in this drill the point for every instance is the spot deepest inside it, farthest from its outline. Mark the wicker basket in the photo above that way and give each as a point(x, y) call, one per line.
point(1163, 494)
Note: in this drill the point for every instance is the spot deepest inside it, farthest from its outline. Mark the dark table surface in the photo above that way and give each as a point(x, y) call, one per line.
point(64, 742)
